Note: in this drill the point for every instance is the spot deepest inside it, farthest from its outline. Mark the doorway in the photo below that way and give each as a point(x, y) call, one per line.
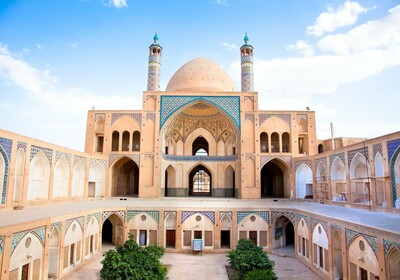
point(143, 237)
point(289, 232)
point(272, 180)
point(107, 232)
point(91, 189)
point(170, 238)
point(253, 237)
point(25, 272)
point(225, 238)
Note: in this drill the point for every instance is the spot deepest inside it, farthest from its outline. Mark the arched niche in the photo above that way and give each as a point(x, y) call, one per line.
point(19, 175)
point(78, 179)
point(144, 229)
point(255, 228)
point(61, 178)
point(96, 180)
point(198, 226)
point(320, 248)
point(170, 181)
point(304, 181)
point(362, 259)
point(39, 177)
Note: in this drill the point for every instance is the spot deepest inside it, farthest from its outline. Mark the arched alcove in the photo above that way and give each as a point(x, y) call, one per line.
point(96, 180)
point(19, 175)
point(170, 181)
point(264, 145)
point(320, 248)
point(170, 231)
point(304, 181)
point(283, 233)
point(54, 255)
point(200, 181)
point(78, 179)
point(125, 178)
point(61, 178)
point(360, 187)
point(273, 178)
point(338, 180)
point(393, 264)
point(229, 182)
point(39, 177)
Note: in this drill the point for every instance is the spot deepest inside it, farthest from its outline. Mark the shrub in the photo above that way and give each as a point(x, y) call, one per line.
point(260, 275)
point(247, 257)
point(131, 261)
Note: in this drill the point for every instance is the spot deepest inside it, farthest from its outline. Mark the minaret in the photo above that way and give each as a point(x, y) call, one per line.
point(153, 76)
point(246, 57)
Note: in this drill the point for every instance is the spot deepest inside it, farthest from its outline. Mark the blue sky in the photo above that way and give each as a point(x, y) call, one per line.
point(60, 58)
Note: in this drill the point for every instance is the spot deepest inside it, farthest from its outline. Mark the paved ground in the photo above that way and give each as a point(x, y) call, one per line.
point(379, 220)
point(206, 266)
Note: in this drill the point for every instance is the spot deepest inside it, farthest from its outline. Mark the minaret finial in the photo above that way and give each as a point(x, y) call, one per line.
point(246, 39)
point(155, 38)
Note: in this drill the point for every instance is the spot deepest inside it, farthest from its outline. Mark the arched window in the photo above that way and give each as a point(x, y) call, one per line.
point(285, 142)
point(200, 181)
point(125, 141)
point(320, 148)
point(275, 142)
point(200, 147)
point(136, 141)
point(264, 142)
point(115, 141)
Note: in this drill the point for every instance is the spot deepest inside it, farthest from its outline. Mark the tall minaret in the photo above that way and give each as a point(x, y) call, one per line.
point(246, 57)
point(153, 76)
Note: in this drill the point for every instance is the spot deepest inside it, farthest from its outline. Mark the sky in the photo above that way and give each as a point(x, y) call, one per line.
point(60, 58)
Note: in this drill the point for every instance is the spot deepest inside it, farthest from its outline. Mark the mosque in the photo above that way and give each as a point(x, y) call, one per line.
point(201, 161)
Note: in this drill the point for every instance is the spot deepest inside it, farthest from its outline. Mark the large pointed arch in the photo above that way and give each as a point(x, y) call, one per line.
point(61, 178)
point(125, 177)
point(200, 181)
point(304, 181)
point(274, 178)
point(169, 181)
point(39, 177)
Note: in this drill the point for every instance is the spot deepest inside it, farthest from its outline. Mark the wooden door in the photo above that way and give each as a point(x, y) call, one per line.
point(170, 239)
point(25, 272)
point(253, 237)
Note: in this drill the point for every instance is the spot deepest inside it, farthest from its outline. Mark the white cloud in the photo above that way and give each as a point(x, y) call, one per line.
point(38, 46)
point(73, 45)
point(302, 46)
point(116, 3)
point(230, 46)
point(334, 18)
point(222, 2)
point(48, 104)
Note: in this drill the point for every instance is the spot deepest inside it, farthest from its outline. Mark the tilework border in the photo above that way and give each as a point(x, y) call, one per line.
point(315, 222)
point(56, 225)
point(5, 177)
point(132, 213)
point(97, 215)
point(40, 232)
point(306, 162)
point(229, 104)
point(135, 116)
point(47, 152)
point(151, 116)
point(275, 215)
point(2, 238)
point(333, 157)
point(300, 216)
point(392, 147)
point(80, 221)
point(93, 161)
point(352, 153)
point(106, 214)
point(395, 155)
point(240, 215)
point(21, 146)
point(6, 144)
point(67, 157)
point(337, 228)
point(351, 234)
point(208, 214)
point(377, 148)
point(389, 245)
point(249, 116)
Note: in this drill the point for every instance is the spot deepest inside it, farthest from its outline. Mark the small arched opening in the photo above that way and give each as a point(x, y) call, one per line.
point(200, 147)
point(200, 181)
point(273, 179)
point(125, 178)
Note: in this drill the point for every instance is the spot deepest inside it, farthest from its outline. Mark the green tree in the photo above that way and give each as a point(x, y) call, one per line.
point(133, 262)
point(247, 257)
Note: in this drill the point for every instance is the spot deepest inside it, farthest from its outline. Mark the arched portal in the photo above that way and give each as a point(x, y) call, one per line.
point(125, 181)
point(39, 177)
point(273, 179)
point(304, 181)
point(200, 181)
point(112, 231)
point(337, 255)
point(283, 234)
point(394, 264)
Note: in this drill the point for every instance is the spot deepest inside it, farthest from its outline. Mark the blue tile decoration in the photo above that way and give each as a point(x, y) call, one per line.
point(40, 232)
point(315, 222)
point(300, 162)
point(2, 238)
point(102, 162)
point(352, 153)
point(289, 215)
point(393, 153)
point(299, 217)
point(21, 146)
point(47, 152)
point(97, 215)
point(132, 213)
point(166, 213)
point(5, 150)
point(6, 145)
point(225, 213)
point(262, 117)
point(229, 104)
point(377, 148)
point(70, 221)
point(67, 157)
point(333, 157)
point(372, 241)
point(135, 116)
point(208, 214)
point(240, 215)
point(324, 160)
point(336, 228)
point(106, 214)
point(390, 245)
point(392, 147)
point(56, 226)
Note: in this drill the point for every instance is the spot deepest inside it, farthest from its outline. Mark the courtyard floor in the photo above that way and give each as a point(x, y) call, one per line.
point(205, 266)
